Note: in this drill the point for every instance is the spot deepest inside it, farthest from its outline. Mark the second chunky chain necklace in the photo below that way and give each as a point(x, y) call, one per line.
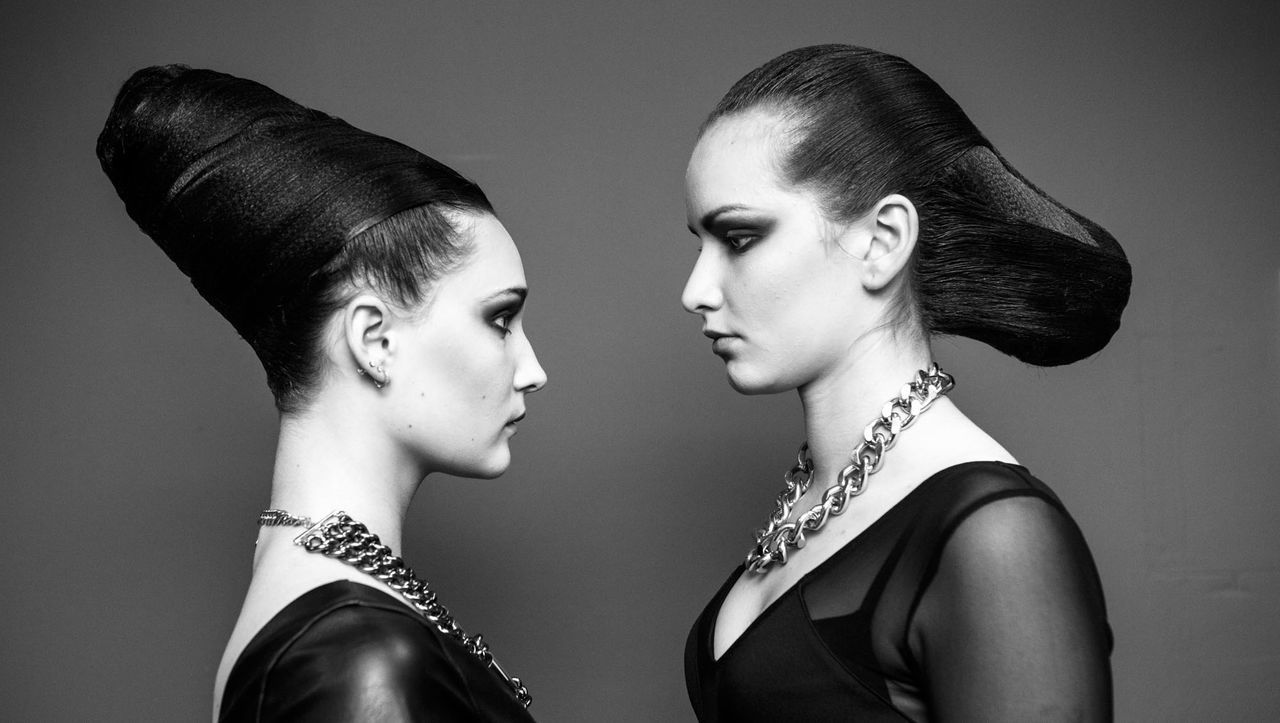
point(342, 538)
point(898, 414)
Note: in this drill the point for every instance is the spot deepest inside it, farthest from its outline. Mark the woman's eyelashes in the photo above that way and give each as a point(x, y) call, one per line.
point(739, 241)
point(739, 234)
point(502, 310)
point(503, 318)
point(736, 235)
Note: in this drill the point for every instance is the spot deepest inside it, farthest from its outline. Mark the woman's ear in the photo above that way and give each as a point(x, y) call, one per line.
point(366, 326)
point(894, 225)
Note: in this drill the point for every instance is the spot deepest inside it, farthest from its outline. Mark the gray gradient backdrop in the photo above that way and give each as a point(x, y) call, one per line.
point(137, 431)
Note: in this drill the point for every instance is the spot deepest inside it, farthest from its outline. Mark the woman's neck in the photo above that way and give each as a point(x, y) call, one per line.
point(839, 405)
point(327, 462)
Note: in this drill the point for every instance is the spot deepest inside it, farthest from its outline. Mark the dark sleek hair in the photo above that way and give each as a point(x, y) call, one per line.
point(279, 213)
point(996, 259)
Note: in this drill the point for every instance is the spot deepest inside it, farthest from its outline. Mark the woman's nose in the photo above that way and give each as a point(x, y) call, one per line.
point(530, 376)
point(702, 290)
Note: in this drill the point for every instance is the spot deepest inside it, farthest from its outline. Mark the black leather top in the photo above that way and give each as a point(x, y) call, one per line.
point(349, 652)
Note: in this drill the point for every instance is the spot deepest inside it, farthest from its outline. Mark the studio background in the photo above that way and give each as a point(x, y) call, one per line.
point(137, 431)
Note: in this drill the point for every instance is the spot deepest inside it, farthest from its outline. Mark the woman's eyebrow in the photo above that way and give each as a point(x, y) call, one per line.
point(710, 217)
point(520, 292)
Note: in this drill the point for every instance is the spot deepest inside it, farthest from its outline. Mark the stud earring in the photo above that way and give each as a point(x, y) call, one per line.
point(379, 383)
point(380, 372)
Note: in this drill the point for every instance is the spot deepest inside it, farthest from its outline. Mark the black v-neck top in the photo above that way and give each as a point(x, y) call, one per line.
point(349, 652)
point(974, 598)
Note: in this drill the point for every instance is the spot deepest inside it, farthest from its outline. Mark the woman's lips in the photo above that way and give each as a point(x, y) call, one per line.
point(722, 346)
point(721, 343)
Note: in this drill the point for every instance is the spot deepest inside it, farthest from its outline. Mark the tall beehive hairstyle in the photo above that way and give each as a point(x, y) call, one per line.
point(997, 259)
point(252, 195)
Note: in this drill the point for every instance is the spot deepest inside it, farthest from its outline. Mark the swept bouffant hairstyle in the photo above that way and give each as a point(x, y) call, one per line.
point(279, 213)
point(996, 259)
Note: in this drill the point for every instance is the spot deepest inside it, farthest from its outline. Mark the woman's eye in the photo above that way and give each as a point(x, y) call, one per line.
point(738, 242)
point(503, 323)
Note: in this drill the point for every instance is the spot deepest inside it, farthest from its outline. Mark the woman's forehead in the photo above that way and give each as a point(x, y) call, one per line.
point(494, 262)
point(738, 162)
point(755, 134)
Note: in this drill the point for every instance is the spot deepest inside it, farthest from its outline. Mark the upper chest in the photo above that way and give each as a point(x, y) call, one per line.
point(752, 594)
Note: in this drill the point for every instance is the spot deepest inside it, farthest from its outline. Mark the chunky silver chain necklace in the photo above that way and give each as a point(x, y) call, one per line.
point(342, 538)
point(898, 414)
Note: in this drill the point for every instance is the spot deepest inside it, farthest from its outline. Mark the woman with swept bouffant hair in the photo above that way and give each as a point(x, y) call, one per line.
point(848, 212)
point(384, 300)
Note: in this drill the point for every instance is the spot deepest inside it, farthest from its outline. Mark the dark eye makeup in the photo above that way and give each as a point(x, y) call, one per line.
point(739, 240)
point(739, 232)
point(735, 226)
point(503, 322)
point(503, 307)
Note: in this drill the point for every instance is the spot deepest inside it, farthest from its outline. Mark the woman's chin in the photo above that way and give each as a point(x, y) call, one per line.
point(492, 465)
point(744, 382)
point(498, 463)
point(493, 469)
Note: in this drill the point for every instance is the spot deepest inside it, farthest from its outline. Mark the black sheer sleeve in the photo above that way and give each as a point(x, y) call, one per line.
point(1011, 625)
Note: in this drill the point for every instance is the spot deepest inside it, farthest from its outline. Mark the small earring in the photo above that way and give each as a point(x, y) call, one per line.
point(374, 378)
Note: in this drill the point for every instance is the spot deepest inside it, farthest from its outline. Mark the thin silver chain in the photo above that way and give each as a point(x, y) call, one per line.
point(342, 538)
point(896, 415)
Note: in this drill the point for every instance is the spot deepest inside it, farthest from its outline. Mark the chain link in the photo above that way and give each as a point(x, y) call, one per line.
point(896, 415)
point(342, 538)
point(280, 518)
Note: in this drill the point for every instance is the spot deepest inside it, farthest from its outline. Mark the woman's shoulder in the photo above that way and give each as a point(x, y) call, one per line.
point(986, 501)
point(352, 652)
point(998, 523)
point(961, 489)
point(372, 630)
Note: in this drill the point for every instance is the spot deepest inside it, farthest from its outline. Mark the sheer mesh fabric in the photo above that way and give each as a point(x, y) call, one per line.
point(975, 598)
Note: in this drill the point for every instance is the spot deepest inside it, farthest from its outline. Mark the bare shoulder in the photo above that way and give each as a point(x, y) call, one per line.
point(945, 437)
